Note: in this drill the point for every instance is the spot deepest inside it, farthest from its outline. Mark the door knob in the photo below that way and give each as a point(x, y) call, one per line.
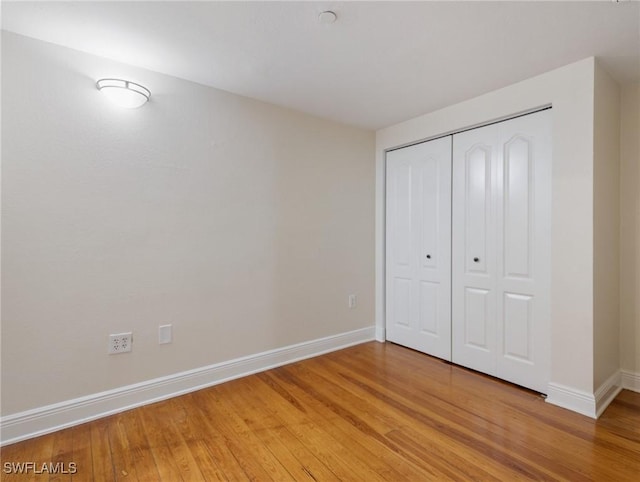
point(475, 260)
point(428, 256)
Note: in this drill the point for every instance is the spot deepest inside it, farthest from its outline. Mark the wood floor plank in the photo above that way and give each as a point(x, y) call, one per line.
point(121, 452)
point(165, 463)
point(101, 450)
point(61, 456)
point(139, 447)
point(375, 412)
point(204, 428)
point(166, 415)
point(184, 423)
point(82, 455)
point(247, 448)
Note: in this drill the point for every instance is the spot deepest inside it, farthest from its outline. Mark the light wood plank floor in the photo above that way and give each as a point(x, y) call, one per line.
point(368, 413)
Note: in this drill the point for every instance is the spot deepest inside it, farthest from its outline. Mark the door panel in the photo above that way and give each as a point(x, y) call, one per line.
point(473, 256)
point(429, 197)
point(518, 208)
point(501, 207)
point(476, 318)
point(477, 212)
point(523, 287)
point(429, 301)
point(517, 325)
point(418, 246)
point(402, 215)
point(402, 301)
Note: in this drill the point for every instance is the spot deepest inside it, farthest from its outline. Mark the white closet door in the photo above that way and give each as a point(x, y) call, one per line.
point(418, 257)
point(501, 250)
point(475, 162)
point(524, 264)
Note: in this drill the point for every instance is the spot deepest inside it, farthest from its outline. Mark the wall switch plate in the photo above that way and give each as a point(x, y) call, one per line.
point(165, 334)
point(353, 301)
point(120, 343)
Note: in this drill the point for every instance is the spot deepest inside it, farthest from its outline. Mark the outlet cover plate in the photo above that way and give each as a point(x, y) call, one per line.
point(120, 343)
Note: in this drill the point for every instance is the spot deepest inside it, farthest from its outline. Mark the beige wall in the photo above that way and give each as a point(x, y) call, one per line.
point(606, 225)
point(630, 229)
point(243, 224)
point(570, 90)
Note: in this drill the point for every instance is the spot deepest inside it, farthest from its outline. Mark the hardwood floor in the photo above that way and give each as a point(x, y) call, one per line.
point(368, 413)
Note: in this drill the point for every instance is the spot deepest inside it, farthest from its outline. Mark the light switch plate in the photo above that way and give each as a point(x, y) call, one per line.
point(165, 334)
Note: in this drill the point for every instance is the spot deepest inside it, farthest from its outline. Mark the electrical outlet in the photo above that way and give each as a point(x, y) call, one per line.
point(120, 343)
point(353, 301)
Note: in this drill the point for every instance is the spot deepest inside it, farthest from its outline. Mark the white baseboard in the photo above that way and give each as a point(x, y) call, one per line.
point(591, 405)
point(607, 392)
point(381, 334)
point(43, 420)
point(631, 381)
point(572, 399)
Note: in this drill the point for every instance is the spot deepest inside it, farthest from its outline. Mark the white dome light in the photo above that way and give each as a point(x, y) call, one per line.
point(123, 92)
point(327, 17)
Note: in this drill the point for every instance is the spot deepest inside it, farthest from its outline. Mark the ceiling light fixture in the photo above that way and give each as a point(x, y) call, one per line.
point(124, 93)
point(327, 17)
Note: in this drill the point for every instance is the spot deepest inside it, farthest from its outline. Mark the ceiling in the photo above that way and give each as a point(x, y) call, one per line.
point(380, 63)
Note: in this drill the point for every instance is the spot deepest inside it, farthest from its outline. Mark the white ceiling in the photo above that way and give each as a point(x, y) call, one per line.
point(380, 63)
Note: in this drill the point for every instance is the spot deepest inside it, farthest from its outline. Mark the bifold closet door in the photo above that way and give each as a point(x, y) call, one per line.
point(501, 249)
point(418, 247)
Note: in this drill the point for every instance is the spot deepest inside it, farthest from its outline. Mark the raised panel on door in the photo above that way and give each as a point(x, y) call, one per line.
point(401, 302)
point(399, 239)
point(477, 327)
point(524, 221)
point(428, 206)
point(518, 207)
point(402, 215)
point(517, 326)
point(477, 207)
point(429, 308)
point(418, 221)
point(473, 253)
